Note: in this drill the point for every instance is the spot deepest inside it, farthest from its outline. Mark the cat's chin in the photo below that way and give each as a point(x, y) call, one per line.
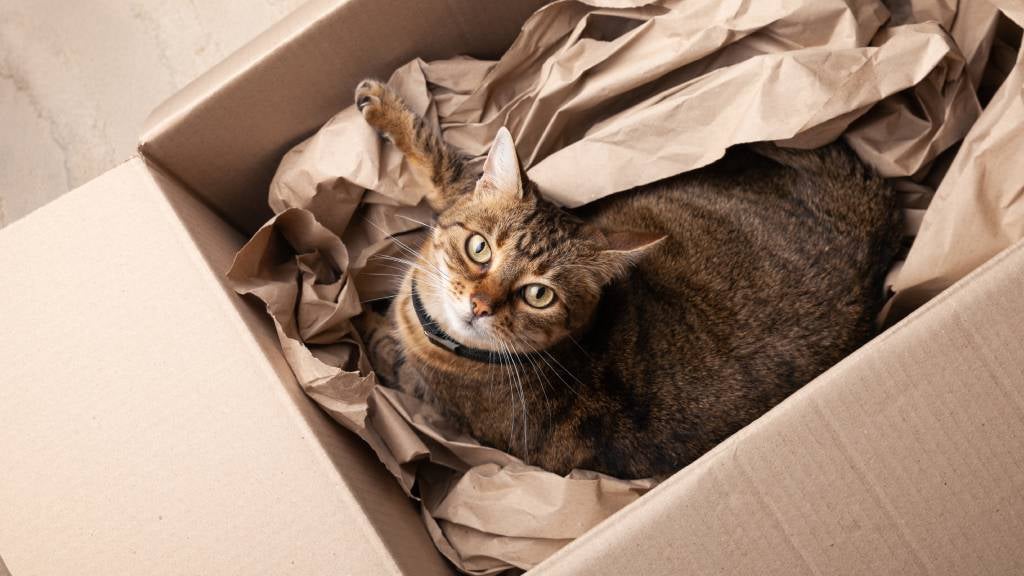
point(476, 333)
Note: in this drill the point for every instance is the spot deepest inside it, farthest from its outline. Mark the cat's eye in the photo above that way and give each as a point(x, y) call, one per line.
point(478, 249)
point(538, 295)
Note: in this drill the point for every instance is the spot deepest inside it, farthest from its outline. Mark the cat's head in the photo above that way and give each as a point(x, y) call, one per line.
point(505, 269)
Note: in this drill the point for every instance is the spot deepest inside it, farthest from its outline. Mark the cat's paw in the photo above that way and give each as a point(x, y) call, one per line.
point(380, 106)
point(368, 95)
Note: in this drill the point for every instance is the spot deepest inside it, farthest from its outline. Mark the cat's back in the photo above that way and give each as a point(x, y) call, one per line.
point(771, 273)
point(748, 227)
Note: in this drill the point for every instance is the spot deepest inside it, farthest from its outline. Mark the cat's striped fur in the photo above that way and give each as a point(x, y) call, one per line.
point(685, 308)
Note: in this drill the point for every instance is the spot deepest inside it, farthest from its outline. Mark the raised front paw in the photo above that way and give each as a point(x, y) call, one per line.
point(381, 107)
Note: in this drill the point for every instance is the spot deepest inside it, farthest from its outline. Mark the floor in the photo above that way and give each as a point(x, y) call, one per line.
point(77, 80)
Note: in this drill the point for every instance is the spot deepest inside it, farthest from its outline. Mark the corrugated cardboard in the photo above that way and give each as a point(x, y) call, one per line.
point(588, 121)
point(906, 458)
point(148, 428)
point(223, 135)
point(150, 425)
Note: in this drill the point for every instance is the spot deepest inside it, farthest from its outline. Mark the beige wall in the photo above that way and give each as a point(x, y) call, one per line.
point(77, 79)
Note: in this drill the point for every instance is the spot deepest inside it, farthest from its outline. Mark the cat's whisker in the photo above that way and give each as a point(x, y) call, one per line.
point(511, 397)
point(379, 298)
point(568, 373)
point(384, 231)
point(397, 294)
point(433, 285)
point(522, 398)
point(405, 248)
point(404, 217)
point(541, 378)
point(514, 383)
point(506, 370)
point(385, 275)
point(573, 340)
point(513, 390)
point(437, 293)
point(409, 263)
point(402, 245)
point(429, 284)
point(431, 280)
point(543, 355)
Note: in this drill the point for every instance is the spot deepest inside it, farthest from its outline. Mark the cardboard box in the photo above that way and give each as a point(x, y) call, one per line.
point(150, 424)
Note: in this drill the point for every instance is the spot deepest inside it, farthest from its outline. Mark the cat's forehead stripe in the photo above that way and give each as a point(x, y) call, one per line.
point(502, 234)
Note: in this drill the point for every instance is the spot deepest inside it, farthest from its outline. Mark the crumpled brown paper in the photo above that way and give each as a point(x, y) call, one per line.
point(977, 210)
point(602, 96)
point(308, 280)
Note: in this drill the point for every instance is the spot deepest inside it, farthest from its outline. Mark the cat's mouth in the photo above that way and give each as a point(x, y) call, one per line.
point(435, 333)
point(458, 321)
point(465, 327)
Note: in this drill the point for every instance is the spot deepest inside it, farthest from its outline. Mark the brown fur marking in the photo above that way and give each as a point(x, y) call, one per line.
point(730, 290)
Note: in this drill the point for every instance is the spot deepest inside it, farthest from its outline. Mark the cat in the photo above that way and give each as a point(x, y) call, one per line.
point(631, 335)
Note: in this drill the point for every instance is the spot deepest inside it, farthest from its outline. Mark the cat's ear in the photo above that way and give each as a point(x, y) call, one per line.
point(623, 249)
point(502, 172)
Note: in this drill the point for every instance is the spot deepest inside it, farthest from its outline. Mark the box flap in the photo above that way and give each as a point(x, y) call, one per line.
point(224, 134)
point(905, 458)
point(150, 425)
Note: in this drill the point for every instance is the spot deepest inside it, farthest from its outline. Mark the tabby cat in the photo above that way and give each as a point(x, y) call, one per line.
point(632, 335)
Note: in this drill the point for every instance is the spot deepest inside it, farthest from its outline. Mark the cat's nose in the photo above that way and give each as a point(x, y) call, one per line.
point(481, 305)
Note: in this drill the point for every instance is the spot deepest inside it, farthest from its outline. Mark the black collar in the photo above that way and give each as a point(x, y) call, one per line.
point(440, 338)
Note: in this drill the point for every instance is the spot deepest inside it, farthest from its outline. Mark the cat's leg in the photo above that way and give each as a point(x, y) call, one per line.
point(385, 353)
point(381, 345)
point(442, 164)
